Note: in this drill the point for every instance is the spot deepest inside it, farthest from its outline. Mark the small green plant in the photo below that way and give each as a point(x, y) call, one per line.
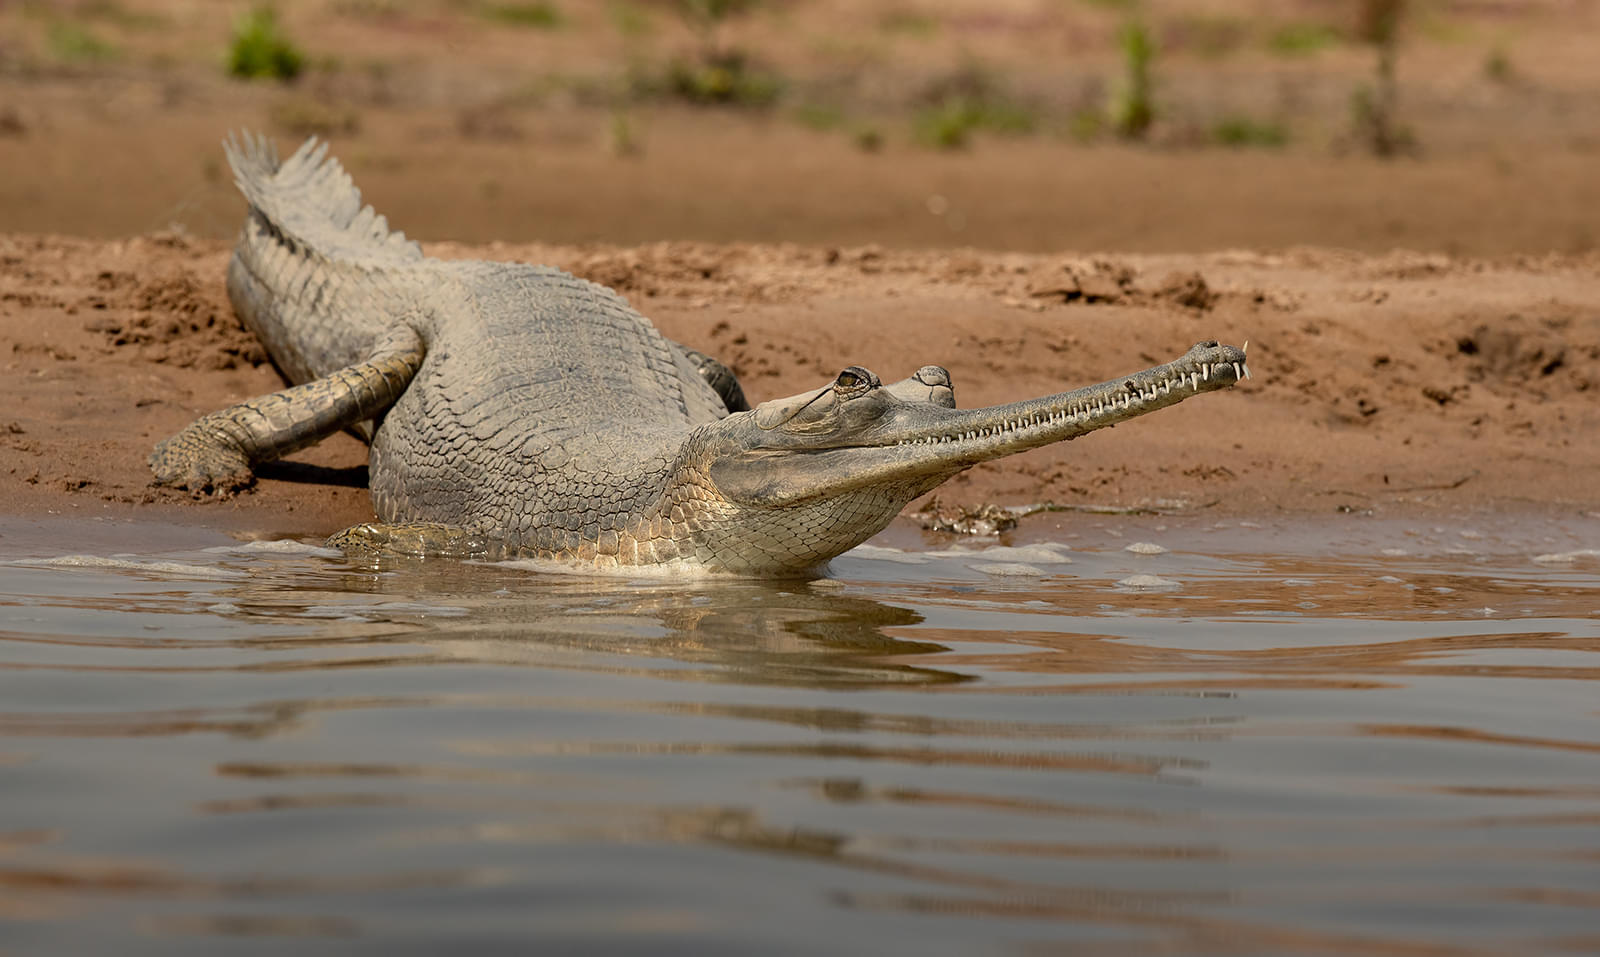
point(1302, 39)
point(819, 117)
point(1373, 108)
point(719, 74)
point(1497, 66)
point(1132, 106)
point(946, 126)
point(1242, 131)
point(113, 12)
point(950, 123)
point(708, 14)
point(261, 50)
point(71, 43)
point(867, 139)
point(964, 101)
point(538, 14)
point(723, 79)
point(630, 18)
point(1086, 126)
point(908, 23)
point(305, 116)
point(624, 138)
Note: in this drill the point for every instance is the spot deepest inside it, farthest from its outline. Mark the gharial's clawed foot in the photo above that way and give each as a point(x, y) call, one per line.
point(194, 461)
point(419, 539)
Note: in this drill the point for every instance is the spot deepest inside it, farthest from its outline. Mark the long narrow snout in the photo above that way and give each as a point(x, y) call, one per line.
point(978, 435)
point(915, 444)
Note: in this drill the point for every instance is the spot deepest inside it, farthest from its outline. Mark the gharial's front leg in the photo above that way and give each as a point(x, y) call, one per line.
point(217, 451)
point(721, 378)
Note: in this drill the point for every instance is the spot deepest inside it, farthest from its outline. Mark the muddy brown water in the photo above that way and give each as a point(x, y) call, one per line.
point(1354, 737)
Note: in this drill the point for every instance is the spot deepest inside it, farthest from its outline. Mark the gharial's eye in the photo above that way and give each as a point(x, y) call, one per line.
point(854, 379)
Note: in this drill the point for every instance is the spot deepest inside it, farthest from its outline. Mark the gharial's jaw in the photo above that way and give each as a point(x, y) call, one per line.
point(840, 439)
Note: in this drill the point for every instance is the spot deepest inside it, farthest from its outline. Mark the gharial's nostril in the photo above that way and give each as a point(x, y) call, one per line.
point(933, 375)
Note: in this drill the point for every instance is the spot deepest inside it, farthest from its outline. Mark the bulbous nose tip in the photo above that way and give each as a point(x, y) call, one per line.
point(934, 375)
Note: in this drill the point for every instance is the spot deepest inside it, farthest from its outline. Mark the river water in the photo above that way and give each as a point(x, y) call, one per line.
point(1119, 735)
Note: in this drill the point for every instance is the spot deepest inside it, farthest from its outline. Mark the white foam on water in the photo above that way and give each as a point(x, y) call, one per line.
point(1149, 583)
point(166, 568)
point(1049, 553)
point(875, 553)
point(282, 546)
point(1003, 569)
point(1145, 548)
point(1563, 558)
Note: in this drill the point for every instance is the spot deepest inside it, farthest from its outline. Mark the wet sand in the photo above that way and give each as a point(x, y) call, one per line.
point(1393, 384)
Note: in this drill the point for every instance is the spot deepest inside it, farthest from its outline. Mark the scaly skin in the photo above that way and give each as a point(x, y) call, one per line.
point(516, 410)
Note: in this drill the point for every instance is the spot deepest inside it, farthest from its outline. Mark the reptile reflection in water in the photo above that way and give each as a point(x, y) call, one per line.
point(742, 631)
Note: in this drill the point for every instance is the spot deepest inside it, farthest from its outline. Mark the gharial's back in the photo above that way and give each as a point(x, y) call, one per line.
point(543, 398)
point(530, 378)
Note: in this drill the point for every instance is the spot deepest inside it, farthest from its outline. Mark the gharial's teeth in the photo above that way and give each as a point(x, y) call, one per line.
point(1247, 371)
point(1237, 374)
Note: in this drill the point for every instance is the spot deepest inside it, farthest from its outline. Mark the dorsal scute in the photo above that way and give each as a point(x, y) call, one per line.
point(310, 202)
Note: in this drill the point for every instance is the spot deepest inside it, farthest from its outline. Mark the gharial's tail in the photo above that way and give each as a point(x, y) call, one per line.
point(310, 203)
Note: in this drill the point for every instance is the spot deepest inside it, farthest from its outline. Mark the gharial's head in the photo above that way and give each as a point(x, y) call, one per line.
point(807, 477)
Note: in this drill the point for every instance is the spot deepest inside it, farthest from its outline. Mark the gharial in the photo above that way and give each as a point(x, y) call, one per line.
point(516, 410)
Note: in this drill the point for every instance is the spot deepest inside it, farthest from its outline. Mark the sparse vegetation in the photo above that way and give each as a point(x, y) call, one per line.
point(867, 138)
point(368, 9)
point(630, 18)
point(1302, 39)
point(964, 103)
point(1242, 131)
point(261, 50)
point(950, 123)
point(537, 14)
point(1207, 36)
point(725, 78)
point(1373, 108)
point(114, 13)
point(624, 139)
point(1132, 105)
point(74, 43)
point(1086, 126)
point(819, 117)
point(708, 15)
point(306, 116)
point(1497, 66)
point(908, 23)
point(718, 74)
point(947, 126)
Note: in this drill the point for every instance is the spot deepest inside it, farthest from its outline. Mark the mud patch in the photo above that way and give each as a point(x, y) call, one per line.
point(179, 319)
